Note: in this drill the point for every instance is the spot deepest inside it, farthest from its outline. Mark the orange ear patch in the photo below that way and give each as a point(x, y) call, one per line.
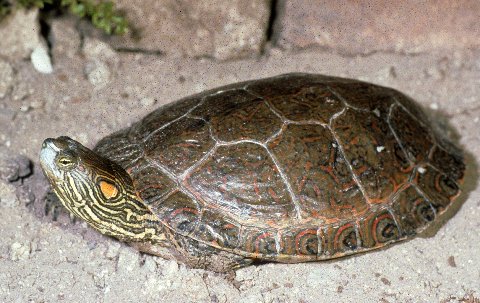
point(109, 190)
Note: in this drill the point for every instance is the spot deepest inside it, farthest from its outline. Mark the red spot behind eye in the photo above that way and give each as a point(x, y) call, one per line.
point(109, 190)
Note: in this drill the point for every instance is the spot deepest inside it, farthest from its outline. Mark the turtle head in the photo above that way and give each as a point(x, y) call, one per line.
point(96, 190)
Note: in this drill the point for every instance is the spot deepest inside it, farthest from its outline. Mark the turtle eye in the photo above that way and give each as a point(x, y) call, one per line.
point(66, 161)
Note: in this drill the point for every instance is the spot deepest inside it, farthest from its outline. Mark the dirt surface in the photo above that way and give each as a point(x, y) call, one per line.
point(95, 91)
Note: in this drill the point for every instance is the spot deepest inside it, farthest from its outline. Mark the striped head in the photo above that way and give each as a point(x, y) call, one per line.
point(96, 190)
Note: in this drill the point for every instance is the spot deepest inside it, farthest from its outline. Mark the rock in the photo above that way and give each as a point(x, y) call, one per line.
point(401, 26)
point(101, 60)
point(148, 101)
point(222, 29)
point(19, 251)
point(41, 60)
point(98, 73)
point(8, 198)
point(64, 37)
point(13, 168)
point(20, 34)
point(25, 194)
point(7, 77)
point(150, 264)
point(96, 50)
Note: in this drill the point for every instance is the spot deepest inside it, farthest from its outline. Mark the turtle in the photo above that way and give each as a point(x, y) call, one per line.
point(293, 168)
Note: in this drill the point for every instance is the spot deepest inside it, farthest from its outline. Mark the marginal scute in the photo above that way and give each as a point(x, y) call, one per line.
point(247, 122)
point(179, 212)
point(340, 239)
point(451, 163)
point(365, 96)
point(180, 145)
point(224, 102)
point(439, 188)
point(244, 182)
point(413, 211)
point(318, 173)
point(378, 229)
point(238, 115)
point(216, 229)
point(373, 152)
point(259, 242)
point(288, 84)
point(301, 241)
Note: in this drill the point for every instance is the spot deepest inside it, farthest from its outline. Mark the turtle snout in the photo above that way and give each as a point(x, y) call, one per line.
point(48, 142)
point(48, 154)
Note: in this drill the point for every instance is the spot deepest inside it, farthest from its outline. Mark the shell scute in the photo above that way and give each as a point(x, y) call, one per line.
point(218, 230)
point(415, 138)
point(238, 115)
point(439, 188)
point(244, 182)
point(260, 242)
point(373, 153)
point(301, 241)
point(413, 211)
point(150, 182)
point(179, 212)
point(378, 229)
point(318, 172)
point(180, 145)
point(309, 103)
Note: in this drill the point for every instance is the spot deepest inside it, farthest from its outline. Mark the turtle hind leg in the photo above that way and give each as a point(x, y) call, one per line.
point(218, 261)
point(194, 254)
point(199, 255)
point(210, 258)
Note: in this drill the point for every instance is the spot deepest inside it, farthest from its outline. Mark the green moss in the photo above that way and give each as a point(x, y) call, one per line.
point(102, 14)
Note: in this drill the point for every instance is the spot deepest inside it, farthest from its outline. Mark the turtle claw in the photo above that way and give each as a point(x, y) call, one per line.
point(54, 208)
point(52, 205)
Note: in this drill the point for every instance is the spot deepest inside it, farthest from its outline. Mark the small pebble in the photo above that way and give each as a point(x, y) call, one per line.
point(41, 60)
point(14, 168)
point(112, 250)
point(25, 108)
point(434, 106)
point(147, 102)
point(127, 260)
point(37, 104)
point(98, 74)
point(19, 251)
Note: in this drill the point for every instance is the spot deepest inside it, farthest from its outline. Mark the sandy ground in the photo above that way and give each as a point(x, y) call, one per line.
point(47, 260)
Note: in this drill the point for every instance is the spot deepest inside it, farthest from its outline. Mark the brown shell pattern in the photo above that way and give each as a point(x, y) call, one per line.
point(292, 168)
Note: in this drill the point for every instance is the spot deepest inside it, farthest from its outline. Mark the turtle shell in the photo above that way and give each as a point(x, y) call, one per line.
point(292, 168)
